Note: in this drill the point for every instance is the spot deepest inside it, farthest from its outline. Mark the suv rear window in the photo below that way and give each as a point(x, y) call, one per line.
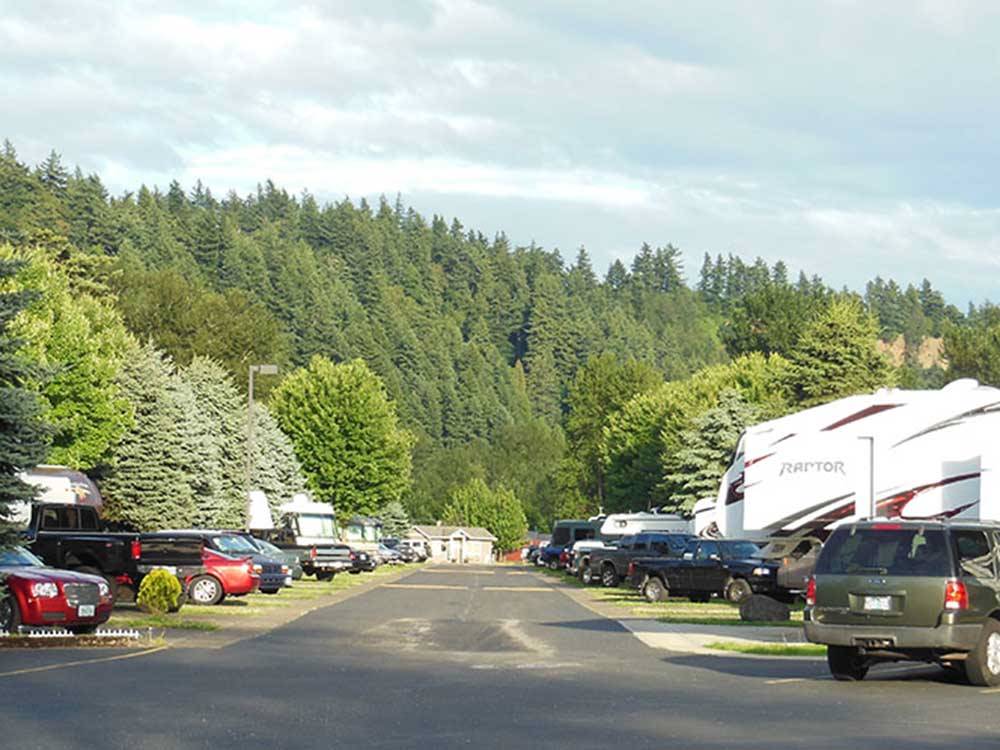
point(895, 552)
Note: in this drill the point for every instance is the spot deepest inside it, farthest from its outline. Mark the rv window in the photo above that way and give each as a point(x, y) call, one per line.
point(579, 534)
point(560, 536)
point(316, 525)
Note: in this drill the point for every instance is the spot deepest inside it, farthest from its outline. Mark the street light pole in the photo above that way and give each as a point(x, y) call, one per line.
point(263, 370)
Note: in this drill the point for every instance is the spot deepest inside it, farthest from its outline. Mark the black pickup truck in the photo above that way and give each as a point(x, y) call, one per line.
point(730, 568)
point(323, 558)
point(610, 564)
point(74, 537)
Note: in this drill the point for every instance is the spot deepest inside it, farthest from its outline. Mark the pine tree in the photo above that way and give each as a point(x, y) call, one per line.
point(693, 472)
point(221, 501)
point(837, 355)
point(395, 520)
point(149, 485)
point(23, 436)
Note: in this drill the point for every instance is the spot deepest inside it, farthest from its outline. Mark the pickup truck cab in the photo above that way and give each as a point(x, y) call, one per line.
point(73, 537)
point(728, 568)
point(611, 564)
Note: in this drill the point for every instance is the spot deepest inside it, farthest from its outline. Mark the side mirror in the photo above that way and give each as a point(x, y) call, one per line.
point(689, 555)
point(713, 557)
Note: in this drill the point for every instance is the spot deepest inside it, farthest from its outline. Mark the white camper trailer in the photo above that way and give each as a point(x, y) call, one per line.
point(893, 453)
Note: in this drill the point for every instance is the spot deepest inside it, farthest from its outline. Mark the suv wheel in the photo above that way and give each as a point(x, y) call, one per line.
point(654, 591)
point(587, 575)
point(738, 590)
point(205, 590)
point(554, 564)
point(845, 663)
point(609, 577)
point(982, 665)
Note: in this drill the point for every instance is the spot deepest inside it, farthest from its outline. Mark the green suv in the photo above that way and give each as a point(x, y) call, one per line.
point(912, 590)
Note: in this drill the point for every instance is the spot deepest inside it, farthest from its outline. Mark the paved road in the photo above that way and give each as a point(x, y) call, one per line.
point(477, 658)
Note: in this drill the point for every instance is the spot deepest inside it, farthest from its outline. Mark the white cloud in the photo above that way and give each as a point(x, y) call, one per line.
point(849, 138)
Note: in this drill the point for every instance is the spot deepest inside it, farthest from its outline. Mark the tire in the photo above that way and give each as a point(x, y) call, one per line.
point(587, 575)
point(325, 575)
point(205, 590)
point(654, 590)
point(553, 565)
point(352, 572)
point(10, 614)
point(609, 576)
point(737, 590)
point(846, 664)
point(982, 665)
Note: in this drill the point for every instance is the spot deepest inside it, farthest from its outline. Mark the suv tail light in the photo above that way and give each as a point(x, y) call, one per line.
point(811, 592)
point(956, 596)
point(313, 553)
point(136, 549)
point(631, 569)
point(353, 556)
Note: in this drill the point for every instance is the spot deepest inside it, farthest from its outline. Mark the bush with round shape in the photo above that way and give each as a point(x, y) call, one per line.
point(160, 592)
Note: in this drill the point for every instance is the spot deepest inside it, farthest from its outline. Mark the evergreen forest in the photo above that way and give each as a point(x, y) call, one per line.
point(463, 366)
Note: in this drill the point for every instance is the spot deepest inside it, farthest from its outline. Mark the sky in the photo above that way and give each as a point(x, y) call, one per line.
point(849, 139)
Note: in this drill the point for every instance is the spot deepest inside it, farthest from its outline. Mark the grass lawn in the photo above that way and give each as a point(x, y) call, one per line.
point(769, 649)
point(141, 620)
point(674, 610)
point(199, 617)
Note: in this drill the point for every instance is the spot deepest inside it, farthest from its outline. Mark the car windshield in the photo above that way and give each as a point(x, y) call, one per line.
point(233, 544)
point(267, 547)
point(316, 525)
point(739, 549)
point(897, 552)
point(19, 557)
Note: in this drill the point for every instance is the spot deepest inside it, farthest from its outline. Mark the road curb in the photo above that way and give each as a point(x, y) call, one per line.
point(666, 637)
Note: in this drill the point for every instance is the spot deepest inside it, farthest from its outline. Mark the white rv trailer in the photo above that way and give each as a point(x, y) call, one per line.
point(893, 453)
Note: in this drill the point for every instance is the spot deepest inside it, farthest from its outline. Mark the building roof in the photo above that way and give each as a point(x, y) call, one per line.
point(476, 533)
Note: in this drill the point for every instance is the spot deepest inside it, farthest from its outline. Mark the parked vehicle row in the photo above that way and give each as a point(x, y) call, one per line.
point(72, 567)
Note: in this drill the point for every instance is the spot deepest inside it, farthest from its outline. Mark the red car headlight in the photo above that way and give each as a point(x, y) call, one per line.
point(44, 590)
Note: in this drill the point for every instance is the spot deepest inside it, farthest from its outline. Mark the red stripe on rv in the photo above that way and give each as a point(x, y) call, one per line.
point(895, 505)
point(857, 416)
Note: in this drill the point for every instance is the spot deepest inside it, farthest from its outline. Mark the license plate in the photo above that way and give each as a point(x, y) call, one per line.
point(878, 603)
point(85, 610)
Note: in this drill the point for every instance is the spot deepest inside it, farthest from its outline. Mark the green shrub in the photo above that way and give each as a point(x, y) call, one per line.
point(159, 593)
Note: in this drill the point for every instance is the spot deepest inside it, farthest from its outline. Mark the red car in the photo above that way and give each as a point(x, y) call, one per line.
point(223, 576)
point(33, 594)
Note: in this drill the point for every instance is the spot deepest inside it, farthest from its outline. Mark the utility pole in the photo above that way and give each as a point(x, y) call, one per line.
point(263, 370)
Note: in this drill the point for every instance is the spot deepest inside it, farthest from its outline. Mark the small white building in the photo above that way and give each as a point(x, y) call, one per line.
point(459, 544)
